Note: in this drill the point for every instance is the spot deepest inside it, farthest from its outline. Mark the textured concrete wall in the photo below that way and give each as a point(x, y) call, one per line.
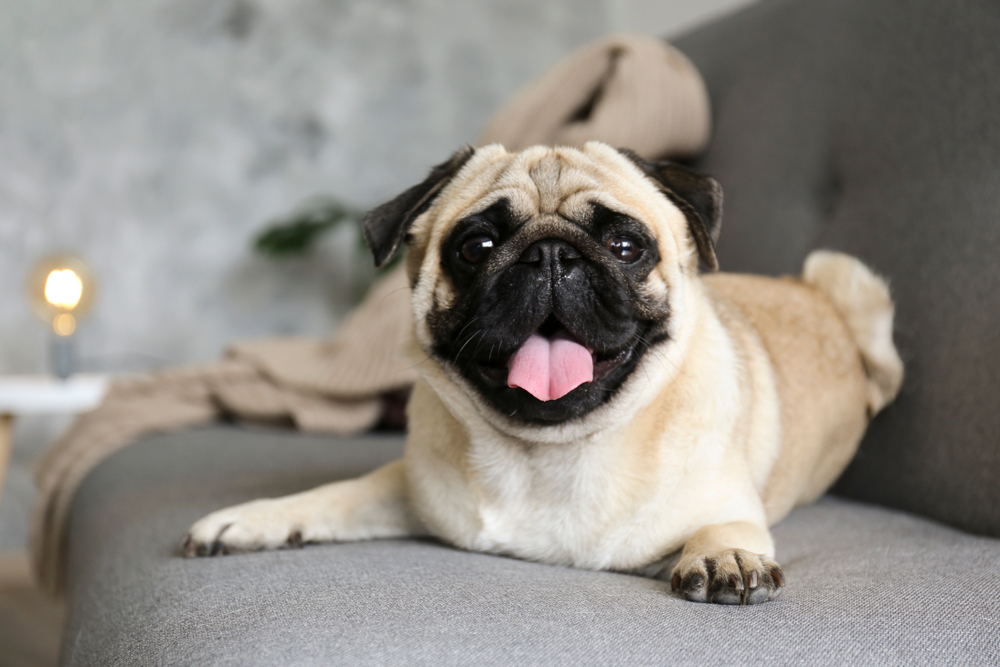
point(155, 138)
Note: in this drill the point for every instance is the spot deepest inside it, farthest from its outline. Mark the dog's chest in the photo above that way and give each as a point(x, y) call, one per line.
point(567, 506)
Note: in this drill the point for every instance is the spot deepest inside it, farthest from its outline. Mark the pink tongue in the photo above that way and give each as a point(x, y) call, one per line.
point(550, 369)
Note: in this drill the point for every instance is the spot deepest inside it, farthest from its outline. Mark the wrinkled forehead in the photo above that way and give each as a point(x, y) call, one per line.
point(540, 182)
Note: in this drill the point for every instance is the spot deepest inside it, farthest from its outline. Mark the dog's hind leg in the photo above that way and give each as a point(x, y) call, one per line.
point(369, 507)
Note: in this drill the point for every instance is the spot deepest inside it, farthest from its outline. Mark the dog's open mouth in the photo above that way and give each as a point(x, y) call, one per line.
point(552, 362)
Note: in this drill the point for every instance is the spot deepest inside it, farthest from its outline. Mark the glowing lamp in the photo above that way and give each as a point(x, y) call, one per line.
point(61, 290)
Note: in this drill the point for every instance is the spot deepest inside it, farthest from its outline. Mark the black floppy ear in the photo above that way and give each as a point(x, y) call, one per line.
point(697, 195)
point(385, 226)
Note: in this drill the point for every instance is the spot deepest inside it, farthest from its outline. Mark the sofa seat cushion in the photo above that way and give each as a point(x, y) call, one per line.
point(864, 584)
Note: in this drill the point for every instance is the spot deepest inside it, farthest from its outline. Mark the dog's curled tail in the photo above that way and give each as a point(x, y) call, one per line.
point(863, 300)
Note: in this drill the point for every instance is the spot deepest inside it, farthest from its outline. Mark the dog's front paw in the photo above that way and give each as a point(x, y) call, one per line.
point(261, 524)
point(733, 576)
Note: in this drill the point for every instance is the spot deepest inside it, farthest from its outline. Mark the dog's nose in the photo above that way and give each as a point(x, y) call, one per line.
point(551, 255)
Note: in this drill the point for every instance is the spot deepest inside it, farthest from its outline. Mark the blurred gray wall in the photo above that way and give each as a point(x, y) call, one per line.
point(155, 138)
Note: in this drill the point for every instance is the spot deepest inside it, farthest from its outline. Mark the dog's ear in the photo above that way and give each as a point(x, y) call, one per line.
point(698, 196)
point(385, 226)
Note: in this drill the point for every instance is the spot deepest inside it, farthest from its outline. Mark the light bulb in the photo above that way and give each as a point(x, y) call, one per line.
point(61, 289)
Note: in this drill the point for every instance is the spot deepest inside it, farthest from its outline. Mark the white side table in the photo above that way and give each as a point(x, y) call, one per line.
point(43, 394)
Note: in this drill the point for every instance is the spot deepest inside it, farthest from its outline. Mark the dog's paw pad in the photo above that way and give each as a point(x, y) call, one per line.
point(261, 524)
point(734, 576)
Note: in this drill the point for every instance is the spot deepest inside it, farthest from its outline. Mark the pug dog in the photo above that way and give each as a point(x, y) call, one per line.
point(588, 397)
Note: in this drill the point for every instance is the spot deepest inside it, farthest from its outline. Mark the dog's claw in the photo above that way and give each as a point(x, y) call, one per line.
point(733, 577)
point(188, 547)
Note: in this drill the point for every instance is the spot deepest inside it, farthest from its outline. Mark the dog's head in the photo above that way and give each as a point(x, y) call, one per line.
point(542, 278)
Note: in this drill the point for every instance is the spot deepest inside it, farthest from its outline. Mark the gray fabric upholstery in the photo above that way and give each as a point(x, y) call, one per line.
point(864, 584)
point(874, 128)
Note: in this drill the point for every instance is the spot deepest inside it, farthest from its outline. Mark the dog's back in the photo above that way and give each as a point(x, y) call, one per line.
point(829, 337)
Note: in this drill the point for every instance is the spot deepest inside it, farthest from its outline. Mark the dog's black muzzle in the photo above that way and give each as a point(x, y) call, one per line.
point(545, 278)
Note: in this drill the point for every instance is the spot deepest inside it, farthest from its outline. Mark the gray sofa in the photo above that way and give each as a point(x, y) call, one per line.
point(868, 127)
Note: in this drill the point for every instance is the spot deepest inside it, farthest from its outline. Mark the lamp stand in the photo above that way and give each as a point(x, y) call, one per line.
point(6, 436)
point(62, 356)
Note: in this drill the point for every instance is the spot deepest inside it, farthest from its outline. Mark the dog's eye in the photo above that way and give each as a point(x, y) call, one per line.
point(624, 249)
point(476, 248)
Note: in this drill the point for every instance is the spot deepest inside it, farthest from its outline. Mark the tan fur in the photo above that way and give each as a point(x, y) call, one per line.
point(754, 405)
point(821, 383)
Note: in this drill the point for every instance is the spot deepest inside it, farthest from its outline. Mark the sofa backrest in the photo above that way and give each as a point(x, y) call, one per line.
point(874, 128)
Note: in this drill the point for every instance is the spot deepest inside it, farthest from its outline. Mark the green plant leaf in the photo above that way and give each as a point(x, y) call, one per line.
point(296, 234)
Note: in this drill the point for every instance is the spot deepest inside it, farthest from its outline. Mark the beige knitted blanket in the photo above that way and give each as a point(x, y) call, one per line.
point(626, 90)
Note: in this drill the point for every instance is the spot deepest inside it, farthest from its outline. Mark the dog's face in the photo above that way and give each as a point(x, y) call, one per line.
point(542, 278)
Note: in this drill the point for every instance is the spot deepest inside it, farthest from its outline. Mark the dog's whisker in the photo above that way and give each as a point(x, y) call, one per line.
point(467, 341)
point(467, 325)
point(480, 344)
point(422, 361)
